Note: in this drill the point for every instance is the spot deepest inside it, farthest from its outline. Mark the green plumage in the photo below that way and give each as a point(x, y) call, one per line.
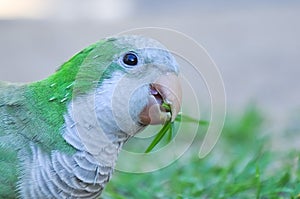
point(35, 112)
point(32, 113)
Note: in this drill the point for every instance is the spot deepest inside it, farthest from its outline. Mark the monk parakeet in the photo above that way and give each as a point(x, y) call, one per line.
point(60, 137)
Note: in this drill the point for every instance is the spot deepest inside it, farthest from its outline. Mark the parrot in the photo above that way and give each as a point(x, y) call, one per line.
point(60, 137)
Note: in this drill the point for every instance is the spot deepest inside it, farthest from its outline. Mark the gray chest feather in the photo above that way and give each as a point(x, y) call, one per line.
point(62, 176)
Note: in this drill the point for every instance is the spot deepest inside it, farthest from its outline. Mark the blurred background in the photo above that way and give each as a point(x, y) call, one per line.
point(255, 45)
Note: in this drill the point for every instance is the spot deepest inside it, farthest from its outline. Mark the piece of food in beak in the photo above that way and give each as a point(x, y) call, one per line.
point(166, 90)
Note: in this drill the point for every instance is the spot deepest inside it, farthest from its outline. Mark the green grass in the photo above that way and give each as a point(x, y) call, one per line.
point(169, 130)
point(240, 166)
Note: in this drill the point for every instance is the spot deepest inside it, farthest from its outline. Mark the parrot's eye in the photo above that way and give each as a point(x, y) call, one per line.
point(130, 59)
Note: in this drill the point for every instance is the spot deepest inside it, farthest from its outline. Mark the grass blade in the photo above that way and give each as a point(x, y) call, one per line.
point(169, 127)
point(159, 136)
point(170, 134)
point(185, 118)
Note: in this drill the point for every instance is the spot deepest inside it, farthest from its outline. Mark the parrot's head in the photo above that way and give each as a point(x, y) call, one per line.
point(139, 84)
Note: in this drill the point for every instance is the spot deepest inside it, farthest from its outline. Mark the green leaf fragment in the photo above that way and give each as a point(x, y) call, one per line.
point(170, 134)
point(166, 106)
point(185, 118)
point(168, 128)
point(159, 136)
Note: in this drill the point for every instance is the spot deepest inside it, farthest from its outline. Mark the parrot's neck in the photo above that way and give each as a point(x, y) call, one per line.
point(99, 118)
point(82, 174)
point(91, 124)
point(91, 128)
point(83, 132)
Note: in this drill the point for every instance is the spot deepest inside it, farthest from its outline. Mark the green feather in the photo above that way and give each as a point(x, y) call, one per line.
point(48, 101)
point(34, 113)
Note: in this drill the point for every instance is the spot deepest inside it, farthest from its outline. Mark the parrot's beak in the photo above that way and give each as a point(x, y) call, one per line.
point(164, 100)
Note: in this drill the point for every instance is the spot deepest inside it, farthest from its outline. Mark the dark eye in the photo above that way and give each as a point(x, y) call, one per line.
point(130, 59)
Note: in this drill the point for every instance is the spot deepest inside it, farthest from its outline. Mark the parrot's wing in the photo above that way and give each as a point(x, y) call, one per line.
point(9, 139)
point(14, 115)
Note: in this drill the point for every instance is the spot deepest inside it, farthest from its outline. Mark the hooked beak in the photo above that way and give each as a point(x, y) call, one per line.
point(164, 100)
